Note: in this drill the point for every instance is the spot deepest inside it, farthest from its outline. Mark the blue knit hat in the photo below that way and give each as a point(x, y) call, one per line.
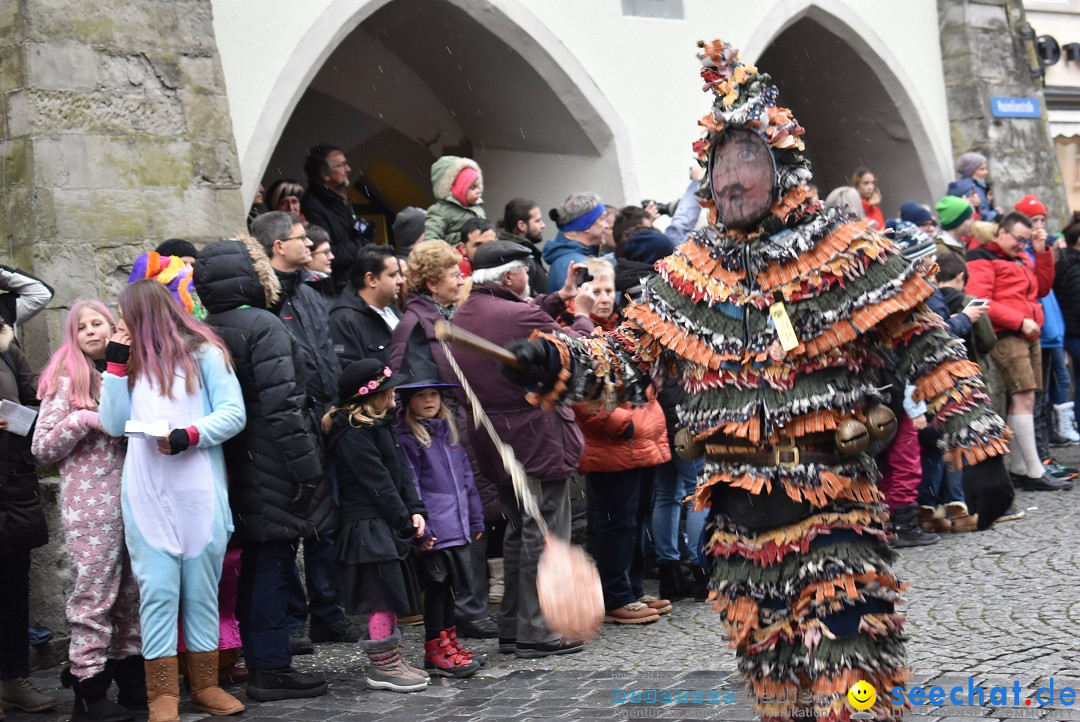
point(915, 213)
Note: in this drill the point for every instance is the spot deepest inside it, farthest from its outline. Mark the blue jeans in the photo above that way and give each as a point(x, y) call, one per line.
point(262, 603)
point(940, 485)
point(1056, 372)
point(613, 515)
point(675, 480)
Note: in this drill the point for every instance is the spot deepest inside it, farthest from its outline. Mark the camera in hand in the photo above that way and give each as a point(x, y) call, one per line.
point(664, 209)
point(582, 276)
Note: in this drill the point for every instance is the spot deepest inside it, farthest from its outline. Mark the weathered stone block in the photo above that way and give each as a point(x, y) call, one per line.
point(201, 75)
point(206, 116)
point(988, 16)
point(61, 67)
point(55, 111)
point(216, 163)
point(127, 25)
point(11, 68)
point(78, 161)
point(151, 75)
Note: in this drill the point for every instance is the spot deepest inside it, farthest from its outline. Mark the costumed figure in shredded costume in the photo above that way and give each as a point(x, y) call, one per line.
point(777, 318)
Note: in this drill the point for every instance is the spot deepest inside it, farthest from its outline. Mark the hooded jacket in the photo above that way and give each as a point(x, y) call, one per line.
point(1012, 285)
point(357, 330)
point(22, 518)
point(277, 459)
point(962, 187)
point(559, 254)
point(444, 481)
point(447, 215)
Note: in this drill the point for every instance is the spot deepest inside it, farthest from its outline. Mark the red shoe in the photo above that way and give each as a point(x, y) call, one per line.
point(442, 657)
point(481, 659)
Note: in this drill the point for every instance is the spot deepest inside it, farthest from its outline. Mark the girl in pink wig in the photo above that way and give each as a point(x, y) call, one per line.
point(103, 606)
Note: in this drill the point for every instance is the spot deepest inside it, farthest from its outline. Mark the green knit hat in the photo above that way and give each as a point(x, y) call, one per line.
point(952, 211)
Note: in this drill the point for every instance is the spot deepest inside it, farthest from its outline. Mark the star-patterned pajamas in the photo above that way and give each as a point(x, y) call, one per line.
point(103, 608)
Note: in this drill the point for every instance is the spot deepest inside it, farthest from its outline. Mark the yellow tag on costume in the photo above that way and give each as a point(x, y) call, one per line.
point(784, 329)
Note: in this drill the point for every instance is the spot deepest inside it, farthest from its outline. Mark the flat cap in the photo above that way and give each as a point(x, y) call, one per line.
point(496, 253)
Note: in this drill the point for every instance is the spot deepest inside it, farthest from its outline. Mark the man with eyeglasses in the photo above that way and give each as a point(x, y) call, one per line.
point(307, 318)
point(326, 203)
point(1001, 273)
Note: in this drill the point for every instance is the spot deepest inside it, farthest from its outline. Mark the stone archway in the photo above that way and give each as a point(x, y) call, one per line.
point(411, 80)
point(847, 91)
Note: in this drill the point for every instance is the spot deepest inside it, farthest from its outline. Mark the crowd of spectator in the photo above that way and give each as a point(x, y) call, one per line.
point(242, 406)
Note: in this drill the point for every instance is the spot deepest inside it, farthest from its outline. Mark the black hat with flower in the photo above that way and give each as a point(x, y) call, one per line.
point(365, 377)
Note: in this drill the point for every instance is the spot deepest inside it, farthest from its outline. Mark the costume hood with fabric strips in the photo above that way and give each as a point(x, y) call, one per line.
point(801, 568)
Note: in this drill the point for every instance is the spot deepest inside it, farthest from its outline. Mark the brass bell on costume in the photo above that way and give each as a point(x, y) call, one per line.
point(686, 447)
point(852, 437)
point(880, 422)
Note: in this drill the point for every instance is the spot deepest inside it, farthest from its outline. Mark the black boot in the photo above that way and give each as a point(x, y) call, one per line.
point(905, 525)
point(673, 581)
point(91, 702)
point(129, 674)
point(699, 583)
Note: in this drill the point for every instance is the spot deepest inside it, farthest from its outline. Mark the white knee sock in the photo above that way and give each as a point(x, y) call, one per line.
point(1024, 456)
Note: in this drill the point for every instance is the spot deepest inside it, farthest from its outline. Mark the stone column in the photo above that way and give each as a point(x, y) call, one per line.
point(985, 54)
point(115, 134)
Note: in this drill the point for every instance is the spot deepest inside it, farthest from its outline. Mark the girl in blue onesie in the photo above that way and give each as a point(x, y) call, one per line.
point(163, 365)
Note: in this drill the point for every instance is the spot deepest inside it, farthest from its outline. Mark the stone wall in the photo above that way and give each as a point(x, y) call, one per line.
point(985, 53)
point(114, 135)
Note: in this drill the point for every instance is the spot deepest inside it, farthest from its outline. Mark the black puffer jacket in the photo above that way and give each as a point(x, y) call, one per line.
point(278, 457)
point(22, 519)
point(1067, 289)
point(306, 316)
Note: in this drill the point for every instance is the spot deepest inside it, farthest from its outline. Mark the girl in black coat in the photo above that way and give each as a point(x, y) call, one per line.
point(382, 519)
point(22, 528)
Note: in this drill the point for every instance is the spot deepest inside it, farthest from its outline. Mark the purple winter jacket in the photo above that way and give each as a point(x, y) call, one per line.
point(547, 443)
point(444, 481)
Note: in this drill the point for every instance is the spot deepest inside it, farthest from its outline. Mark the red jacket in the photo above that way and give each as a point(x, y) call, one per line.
point(606, 447)
point(873, 213)
point(1012, 285)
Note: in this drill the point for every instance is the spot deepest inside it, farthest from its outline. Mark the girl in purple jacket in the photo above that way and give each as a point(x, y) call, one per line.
point(430, 445)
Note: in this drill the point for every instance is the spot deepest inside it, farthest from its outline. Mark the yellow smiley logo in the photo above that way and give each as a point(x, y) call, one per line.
point(862, 695)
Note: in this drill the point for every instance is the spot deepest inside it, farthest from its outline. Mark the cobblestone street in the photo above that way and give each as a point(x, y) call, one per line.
point(999, 606)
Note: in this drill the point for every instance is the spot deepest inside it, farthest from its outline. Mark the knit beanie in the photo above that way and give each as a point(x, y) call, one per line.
point(968, 163)
point(953, 211)
point(915, 213)
point(1031, 206)
point(462, 183)
point(408, 227)
point(177, 247)
point(647, 245)
point(911, 241)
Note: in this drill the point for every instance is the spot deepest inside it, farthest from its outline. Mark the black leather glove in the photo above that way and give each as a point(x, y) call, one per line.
point(539, 369)
point(302, 500)
point(988, 490)
point(178, 439)
point(117, 353)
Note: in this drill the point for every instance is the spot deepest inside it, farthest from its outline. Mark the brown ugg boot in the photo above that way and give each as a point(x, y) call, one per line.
point(206, 695)
point(163, 689)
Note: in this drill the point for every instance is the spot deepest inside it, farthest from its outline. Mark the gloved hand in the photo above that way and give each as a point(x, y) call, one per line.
point(117, 353)
point(178, 441)
point(988, 490)
point(539, 368)
point(302, 500)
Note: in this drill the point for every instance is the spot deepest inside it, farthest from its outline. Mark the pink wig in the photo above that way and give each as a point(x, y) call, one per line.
point(69, 361)
point(164, 337)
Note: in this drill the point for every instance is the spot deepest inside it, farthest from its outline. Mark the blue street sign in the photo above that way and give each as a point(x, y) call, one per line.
point(1015, 107)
